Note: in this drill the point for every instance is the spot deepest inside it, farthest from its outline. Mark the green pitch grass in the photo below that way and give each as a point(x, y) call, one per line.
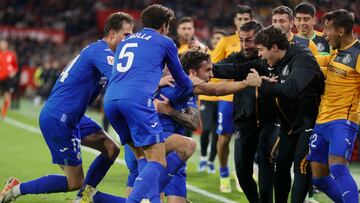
point(24, 154)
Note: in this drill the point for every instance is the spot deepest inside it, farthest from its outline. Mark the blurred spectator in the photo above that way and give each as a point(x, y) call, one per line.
point(216, 36)
point(8, 70)
point(77, 19)
point(45, 78)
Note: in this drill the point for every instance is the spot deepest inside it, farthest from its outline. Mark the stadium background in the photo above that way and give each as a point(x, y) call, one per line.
point(49, 33)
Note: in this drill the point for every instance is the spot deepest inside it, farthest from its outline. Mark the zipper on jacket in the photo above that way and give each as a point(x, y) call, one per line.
point(257, 106)
point(283, 113)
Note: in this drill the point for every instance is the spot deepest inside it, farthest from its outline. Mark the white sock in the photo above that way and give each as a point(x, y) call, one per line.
point(16, 190)
point(203, 158)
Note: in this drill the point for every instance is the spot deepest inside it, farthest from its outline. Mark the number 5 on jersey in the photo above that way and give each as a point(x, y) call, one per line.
point(126, 54)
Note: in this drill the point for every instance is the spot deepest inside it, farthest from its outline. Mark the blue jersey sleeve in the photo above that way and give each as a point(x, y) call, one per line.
point(175, 94)
point(103, 59)
point(175, 68)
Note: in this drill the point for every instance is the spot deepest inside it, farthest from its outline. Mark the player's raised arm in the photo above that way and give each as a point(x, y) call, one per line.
point(175, 68)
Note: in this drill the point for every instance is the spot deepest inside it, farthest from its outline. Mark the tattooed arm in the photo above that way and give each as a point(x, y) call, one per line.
point(189, 118)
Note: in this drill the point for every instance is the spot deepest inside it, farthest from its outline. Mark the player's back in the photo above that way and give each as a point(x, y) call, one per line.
point(78, 85)
point(138, 64)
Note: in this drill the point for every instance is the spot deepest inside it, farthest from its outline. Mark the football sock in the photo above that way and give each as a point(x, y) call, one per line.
point(100, 197)
point(348, 187)
point(97, 170)
point(224, 172)
point(141, 164)
point(329, 186)
point(5, 107)
point(45, 184)
point(174, 163)
point(147, 182)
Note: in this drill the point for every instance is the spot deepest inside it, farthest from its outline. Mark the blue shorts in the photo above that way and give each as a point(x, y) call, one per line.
point(63, 143)
point(335, 138)
point(134, 123)
point(225, 118)
point(86, 127)
point(132, 165)
point(177, 185)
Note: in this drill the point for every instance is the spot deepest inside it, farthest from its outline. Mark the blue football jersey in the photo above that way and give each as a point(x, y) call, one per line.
point(180, 99)
point(79, 84)
point(138, 66)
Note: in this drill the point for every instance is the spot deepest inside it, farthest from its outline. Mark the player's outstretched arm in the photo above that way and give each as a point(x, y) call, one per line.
point(219, 89)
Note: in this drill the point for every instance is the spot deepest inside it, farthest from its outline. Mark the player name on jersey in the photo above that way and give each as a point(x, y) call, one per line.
point(139, 35)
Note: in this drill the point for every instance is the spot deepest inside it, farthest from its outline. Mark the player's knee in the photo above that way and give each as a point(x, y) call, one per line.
point(186, 149)
point(225, 139)
point(75, 183)
point(190, 147)
point(112, 151)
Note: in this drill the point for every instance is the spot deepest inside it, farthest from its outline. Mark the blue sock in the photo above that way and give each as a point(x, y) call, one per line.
point(224, 172)
point(100, 197)
point(329, 186)
point(174, 163)
point(147, 182)
point(45, 184)
point(348, 187)
point(141, 164)
point(96, 172)
point(155, 199)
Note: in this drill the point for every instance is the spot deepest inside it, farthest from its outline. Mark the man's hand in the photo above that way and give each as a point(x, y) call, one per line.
point(198, 46)
point(273, 79)
point(167, 81)
point(195, 80)
point(163, 106)
point(253, 79)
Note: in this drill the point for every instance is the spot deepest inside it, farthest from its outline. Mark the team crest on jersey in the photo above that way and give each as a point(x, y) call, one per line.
point(346, 59)
point(110, 60)
point(320, 47)
point(285, 71)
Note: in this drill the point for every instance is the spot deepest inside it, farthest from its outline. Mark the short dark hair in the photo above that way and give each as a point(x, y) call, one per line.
point(116, 21)
point(185, 19)
point(252, 25)
point(220, 31)
point(283, 10)
point(192, 59)
point(272, 35)
point(306, 8)
point(156, 15)
point(340, 18)
point(244, 9)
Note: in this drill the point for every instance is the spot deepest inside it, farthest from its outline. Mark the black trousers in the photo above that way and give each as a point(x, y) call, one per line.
point(208, 113)
point(250, 139)
point(293, 148)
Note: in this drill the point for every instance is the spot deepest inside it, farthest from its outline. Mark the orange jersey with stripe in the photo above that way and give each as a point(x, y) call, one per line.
point(223, 49)
point(342, 86)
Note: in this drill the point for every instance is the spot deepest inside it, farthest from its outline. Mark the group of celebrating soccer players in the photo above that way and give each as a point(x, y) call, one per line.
point(296, 102)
